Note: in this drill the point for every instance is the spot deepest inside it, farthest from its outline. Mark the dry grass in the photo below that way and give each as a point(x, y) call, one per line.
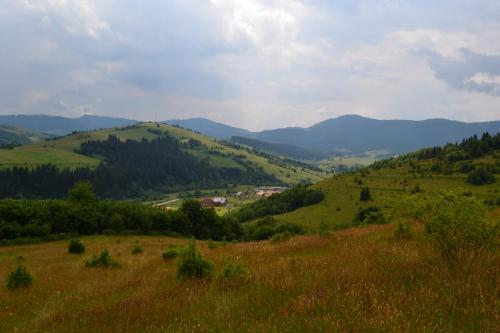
point(355, 280)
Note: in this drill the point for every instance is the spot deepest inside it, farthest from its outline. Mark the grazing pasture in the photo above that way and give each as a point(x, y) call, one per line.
point(355, 280)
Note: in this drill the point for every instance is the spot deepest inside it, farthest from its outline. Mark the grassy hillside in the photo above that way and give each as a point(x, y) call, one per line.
point(60, 152)
point(388, 182)
point(359, 280)
point(11, 135)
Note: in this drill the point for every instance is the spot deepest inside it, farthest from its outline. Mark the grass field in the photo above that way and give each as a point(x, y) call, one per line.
point(386, 186)
point(61, 153)
point(358, 280)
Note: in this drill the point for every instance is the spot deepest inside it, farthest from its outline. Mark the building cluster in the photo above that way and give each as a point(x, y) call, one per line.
point(267, 191)
point(214, 202)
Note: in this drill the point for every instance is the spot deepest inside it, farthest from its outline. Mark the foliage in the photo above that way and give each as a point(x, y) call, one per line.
point(365, 195)
point(402, 231)
point(136, 249)
point(129, 169)
point(232, 269)
point(104, 260)
point(480, 176)
point(82, 191)
point(456, 224)
point(281, 237)
point(369, 215)
point(38, 219)
point(20, 278)
point(267, 227)
point(76, 246)
point(171, 252)
point(192, 265)
point(287, 201)
point(211, 245)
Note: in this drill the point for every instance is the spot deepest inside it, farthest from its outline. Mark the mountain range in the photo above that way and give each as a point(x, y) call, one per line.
point(56, 125)
point(345, 135)
point(354, 135)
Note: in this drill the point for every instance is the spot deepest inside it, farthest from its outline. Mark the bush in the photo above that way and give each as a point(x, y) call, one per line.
point(171, 252)
point(137, 249)
point(20, 278)
point(281, 237)
point(480, 176)
point(104, 260)
point(402, 231)
point(456, 224)
point(192, 265)
point(211, 245)
point(369, 215)
point(76, 246)
point(232, 270)
point(365, 195)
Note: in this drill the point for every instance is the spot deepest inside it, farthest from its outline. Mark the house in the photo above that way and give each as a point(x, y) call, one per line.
point(207, 202)
point(214, 202)
point(220, 201)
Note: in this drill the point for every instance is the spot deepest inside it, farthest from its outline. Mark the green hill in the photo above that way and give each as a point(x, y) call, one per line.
point(12, 136)
point(427, 170)
point(64, 153)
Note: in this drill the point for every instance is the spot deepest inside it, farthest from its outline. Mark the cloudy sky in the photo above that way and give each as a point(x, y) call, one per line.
point(252, 63)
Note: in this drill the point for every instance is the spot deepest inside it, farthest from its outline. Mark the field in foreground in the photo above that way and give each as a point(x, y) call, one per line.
point(355, 280)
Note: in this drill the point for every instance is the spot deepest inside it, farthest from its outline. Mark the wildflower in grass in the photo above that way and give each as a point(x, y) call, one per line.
point(137, 249)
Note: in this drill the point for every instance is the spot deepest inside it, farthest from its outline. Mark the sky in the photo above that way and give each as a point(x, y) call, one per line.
point(255, 64)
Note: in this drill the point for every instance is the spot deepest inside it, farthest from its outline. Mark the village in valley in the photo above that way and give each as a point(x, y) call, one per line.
point(222, 203)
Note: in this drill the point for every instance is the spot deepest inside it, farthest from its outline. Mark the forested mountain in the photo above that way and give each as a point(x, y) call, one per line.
point(354, 135)
point(280, 148)
point(61, 125)
point(209, 127)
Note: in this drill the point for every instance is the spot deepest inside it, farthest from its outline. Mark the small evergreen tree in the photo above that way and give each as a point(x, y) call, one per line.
point(192, 265)
point(365, 194)
point(76, 246)
point(20, 278)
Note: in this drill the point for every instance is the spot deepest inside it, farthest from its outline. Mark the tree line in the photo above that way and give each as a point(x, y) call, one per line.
point(129, 169)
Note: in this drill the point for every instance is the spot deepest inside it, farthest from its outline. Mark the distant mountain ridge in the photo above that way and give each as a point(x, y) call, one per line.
point(353, 134)
point(209, 127)
point(57, 125)
point(12, 135)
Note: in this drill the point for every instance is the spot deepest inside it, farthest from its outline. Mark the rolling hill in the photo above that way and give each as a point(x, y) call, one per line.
point(67, 152)
point(209, 127)
point(13, 136)
point(356, 135)
point(61, 125)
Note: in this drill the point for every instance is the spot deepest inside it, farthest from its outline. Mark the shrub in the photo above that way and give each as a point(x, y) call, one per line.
point(137, 249)
point(281, 237)
point(76, 246)
point(232, 269)
point(480, 176)
point(365, 195)
point(369, 215)
point(211, 245)
point(104, 260)
point(20, 278)
point(171, 252)
point(402, 231)
point(192, 265)
point(456, 224)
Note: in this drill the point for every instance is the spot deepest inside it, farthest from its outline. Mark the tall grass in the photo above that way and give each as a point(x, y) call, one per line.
point(354, 280)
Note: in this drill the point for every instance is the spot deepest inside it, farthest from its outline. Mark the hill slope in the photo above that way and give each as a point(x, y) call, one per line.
point(61, 125)
point(427, 170)
point(11, 135)
point(209, 127)
point(67, 152)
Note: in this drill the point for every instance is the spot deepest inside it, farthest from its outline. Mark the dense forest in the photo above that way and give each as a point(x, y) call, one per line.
point(82, 213)
point(129, 169)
